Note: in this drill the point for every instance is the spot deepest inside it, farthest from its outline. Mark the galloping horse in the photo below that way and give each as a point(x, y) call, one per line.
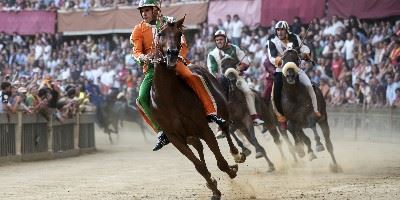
point(179, 111)
point(239, 113)
point(297, 107)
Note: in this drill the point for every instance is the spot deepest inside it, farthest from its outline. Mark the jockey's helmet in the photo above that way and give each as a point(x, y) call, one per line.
point(221, 33)
point(282, 25)
point(149, 3)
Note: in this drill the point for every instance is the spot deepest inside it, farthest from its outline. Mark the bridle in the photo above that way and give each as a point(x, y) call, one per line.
point(161, 56)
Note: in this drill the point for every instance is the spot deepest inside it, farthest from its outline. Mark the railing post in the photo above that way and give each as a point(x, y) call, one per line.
point(18, 134)
point(50, 134)
point(76, 131)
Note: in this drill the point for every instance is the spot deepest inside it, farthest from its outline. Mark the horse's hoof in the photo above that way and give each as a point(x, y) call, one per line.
point(234, 167)
point(335, 168)
point(239, 158)
point(259, 155)
point(300, 151)
point(233, 171)
point(216, 197)
point(320, 148)
point(246, 152)
point(271, 169)
point(213, 182)
point(311, 156)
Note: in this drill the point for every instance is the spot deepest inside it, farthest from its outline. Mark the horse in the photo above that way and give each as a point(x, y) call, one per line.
point(240, 114)
point(113, 110)
point(297, 106)
point(180, 113)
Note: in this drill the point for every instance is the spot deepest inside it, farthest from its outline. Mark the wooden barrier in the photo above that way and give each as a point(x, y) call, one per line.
point(31, 137)
point(375, 124)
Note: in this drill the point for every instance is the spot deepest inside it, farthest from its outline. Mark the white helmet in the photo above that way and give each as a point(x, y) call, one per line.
point(283, 25)
point(220, 33)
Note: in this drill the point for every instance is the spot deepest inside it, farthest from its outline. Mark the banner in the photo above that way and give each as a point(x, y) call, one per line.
point(289, 9)
point(27, 22)
point(122, 20)
point(248, 11)
point(364, 8)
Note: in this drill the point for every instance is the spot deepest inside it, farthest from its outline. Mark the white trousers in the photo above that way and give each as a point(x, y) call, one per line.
point(307, 82)
point(248, 93)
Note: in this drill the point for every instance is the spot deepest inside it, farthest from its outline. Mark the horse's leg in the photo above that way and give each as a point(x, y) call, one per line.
point(198, 164)
point(251, 137)
point(307, 142)
point(212, 143)
point(196, 143)
point(239, 157)
point(299, 146)
point(318, 146)
point(289, 144)
point(275, 135)
point(143, 129)
point(328, 143)
point(116, 128)
point(245, 150)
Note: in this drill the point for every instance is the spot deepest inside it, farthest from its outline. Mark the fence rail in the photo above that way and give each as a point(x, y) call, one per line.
point(31, 137)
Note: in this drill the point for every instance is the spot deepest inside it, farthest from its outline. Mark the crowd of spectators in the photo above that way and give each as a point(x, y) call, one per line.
point(45, 72)
point(356, 61)
point(18, 5)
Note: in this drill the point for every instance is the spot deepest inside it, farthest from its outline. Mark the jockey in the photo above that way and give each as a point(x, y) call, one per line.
point(214, 66)
point(142, 38)
point(276, 45)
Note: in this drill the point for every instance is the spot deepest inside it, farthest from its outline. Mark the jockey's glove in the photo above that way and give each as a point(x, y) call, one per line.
point(278, 61)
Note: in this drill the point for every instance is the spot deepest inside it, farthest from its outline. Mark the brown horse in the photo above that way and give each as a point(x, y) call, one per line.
point(179, 111)
point(297, 107)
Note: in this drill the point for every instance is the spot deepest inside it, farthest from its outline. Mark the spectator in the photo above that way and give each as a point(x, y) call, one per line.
point(237, 28)
point(396, 102)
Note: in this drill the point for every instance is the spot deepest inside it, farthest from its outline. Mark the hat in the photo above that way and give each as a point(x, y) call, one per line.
point(16, 82)
point(22, 90)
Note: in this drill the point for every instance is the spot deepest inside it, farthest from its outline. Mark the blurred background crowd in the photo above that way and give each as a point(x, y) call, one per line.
point(355, 61)
point(71, 5)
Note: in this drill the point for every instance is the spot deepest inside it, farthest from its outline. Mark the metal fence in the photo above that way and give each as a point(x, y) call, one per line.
point(26, 136)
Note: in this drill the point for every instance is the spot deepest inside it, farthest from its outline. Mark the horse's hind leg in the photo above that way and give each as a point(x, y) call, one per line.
point(196, 143)
point(239, 157)
point(259, 149)
point(199, 165)
point(307, 142)
point(318, 146)
point(328, 143)
point(245, 150)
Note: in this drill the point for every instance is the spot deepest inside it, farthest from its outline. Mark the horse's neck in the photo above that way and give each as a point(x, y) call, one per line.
point(292, 91)
point(162, 79)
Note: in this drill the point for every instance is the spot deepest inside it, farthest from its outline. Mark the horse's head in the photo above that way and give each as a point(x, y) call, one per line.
point(228, 67)
point(169, 41)
point(291, 62)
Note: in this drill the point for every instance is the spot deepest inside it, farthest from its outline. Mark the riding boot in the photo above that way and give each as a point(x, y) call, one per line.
point(216, 119)
point(162, 140)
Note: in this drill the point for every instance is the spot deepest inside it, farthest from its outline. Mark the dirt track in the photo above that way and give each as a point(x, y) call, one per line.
point(130, 170)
